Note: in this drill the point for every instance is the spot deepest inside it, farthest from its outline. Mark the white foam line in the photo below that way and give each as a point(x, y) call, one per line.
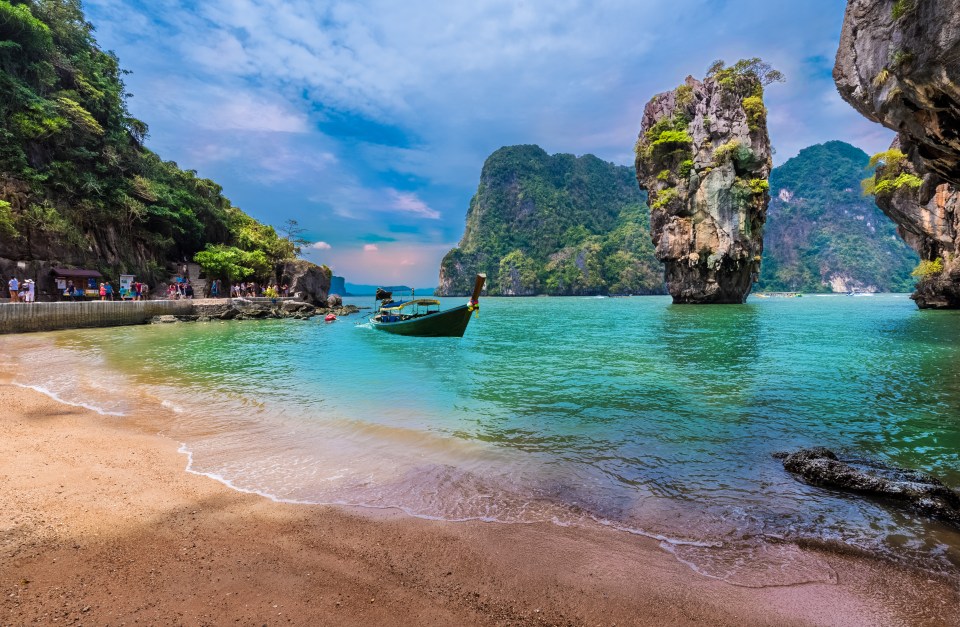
point(210, 475)
point(487, 519)
point(54, 396)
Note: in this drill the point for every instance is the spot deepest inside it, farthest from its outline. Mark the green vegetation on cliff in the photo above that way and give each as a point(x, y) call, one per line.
point(822, 231)
point(76, 183)
point(560, 224)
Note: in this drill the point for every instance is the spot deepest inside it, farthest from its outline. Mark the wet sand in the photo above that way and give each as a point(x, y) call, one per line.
point(101, 525)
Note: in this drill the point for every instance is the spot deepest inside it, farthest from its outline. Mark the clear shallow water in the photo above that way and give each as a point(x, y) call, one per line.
point(630, 412)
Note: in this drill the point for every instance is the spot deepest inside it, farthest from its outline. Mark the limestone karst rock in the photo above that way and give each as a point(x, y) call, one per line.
point(899, 64)
point(703, 155)
point(310, 281)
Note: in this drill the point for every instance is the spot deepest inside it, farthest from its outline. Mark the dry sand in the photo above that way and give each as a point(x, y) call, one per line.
point(100, 525)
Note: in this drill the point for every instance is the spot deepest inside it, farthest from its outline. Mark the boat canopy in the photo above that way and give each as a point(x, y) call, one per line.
point(426, 302)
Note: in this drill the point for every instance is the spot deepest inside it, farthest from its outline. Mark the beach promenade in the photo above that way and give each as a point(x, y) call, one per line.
point(29, 317)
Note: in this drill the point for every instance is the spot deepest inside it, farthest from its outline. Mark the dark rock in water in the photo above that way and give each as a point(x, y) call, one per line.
point(229, 313)
point(165, 319)
point(922, 492)
point(334, 301)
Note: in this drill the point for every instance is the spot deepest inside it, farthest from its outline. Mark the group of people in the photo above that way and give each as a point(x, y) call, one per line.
point(252, 290)
point(21, 291)
point(180, 290)
point(136, 291)
point(25, 291)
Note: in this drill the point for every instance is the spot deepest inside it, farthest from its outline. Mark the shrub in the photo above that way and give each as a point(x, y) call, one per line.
point(889, 186)
point(664, 198)
point(756, 112)
point(759, 186)
point(928, 268)
point(901, 8)
point(891, 158)
point(726, 151)
point(685, 168)
point(684, 95)
point(882, 77)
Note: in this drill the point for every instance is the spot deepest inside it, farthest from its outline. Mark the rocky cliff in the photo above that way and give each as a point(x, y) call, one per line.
point(553, 224)
point(703, 155)
point(899, 64)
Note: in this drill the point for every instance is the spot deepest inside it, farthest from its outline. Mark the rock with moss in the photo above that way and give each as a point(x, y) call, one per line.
point(703, 155)
point(897, 65)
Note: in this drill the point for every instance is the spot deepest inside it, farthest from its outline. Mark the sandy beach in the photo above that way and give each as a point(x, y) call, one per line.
point(101, 525)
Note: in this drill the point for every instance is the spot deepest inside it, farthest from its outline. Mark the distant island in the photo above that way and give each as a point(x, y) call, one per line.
point(559, 225)
point(824, 235)
point(565, 225)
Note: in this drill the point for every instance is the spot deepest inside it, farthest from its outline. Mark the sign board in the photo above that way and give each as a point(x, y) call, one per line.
point(126, 286)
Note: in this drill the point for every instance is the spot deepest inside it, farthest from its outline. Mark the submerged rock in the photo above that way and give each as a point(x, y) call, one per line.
point(897, 64)
point(703, 155)
point(921, 492)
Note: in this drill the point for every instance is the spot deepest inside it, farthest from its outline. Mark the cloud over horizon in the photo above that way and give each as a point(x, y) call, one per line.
point(373, 118)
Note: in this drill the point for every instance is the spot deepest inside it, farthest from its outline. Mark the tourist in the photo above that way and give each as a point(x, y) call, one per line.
point(31, 291)
point(188, 290)
point(172, 291)
point(286, 289)
point(109, 291)
point(137, 290)
point(103, 292)
point(14, 285)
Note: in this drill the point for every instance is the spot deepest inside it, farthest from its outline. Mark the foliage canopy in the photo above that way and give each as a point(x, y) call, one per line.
point(76, 182)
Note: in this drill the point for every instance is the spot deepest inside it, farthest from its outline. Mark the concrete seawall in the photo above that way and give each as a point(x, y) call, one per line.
point(26, 317)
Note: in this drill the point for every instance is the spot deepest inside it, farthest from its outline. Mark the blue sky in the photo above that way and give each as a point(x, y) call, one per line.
point(368, 121)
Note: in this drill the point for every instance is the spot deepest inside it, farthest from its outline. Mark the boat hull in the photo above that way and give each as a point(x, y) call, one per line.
point(449, 323)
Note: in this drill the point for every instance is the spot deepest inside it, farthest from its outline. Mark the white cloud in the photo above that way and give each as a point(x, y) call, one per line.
point(321, 246)
point(370, 248)
point(409, 203)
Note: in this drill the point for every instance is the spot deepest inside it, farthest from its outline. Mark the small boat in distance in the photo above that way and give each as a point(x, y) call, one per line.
point(421, 317)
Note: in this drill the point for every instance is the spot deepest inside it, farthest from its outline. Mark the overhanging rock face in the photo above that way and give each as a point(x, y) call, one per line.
point(899, 64)
point(703, 155)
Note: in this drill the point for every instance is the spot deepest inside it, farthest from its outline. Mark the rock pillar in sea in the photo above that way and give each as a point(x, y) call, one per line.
point(899, 64)
point(703, 155)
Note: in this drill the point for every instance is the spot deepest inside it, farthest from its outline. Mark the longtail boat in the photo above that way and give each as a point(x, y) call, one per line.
point(421, 317)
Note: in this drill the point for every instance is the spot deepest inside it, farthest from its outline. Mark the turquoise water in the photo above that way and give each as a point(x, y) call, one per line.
point(629, 412)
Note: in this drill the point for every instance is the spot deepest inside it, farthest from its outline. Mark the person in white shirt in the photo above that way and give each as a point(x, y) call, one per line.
point(31, 291)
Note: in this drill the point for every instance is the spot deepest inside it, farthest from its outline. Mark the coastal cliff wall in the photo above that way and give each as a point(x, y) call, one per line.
point(703, 155)
point(899, 64)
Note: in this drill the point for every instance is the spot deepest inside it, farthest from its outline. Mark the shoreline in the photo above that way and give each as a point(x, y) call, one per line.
point(106, 526)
